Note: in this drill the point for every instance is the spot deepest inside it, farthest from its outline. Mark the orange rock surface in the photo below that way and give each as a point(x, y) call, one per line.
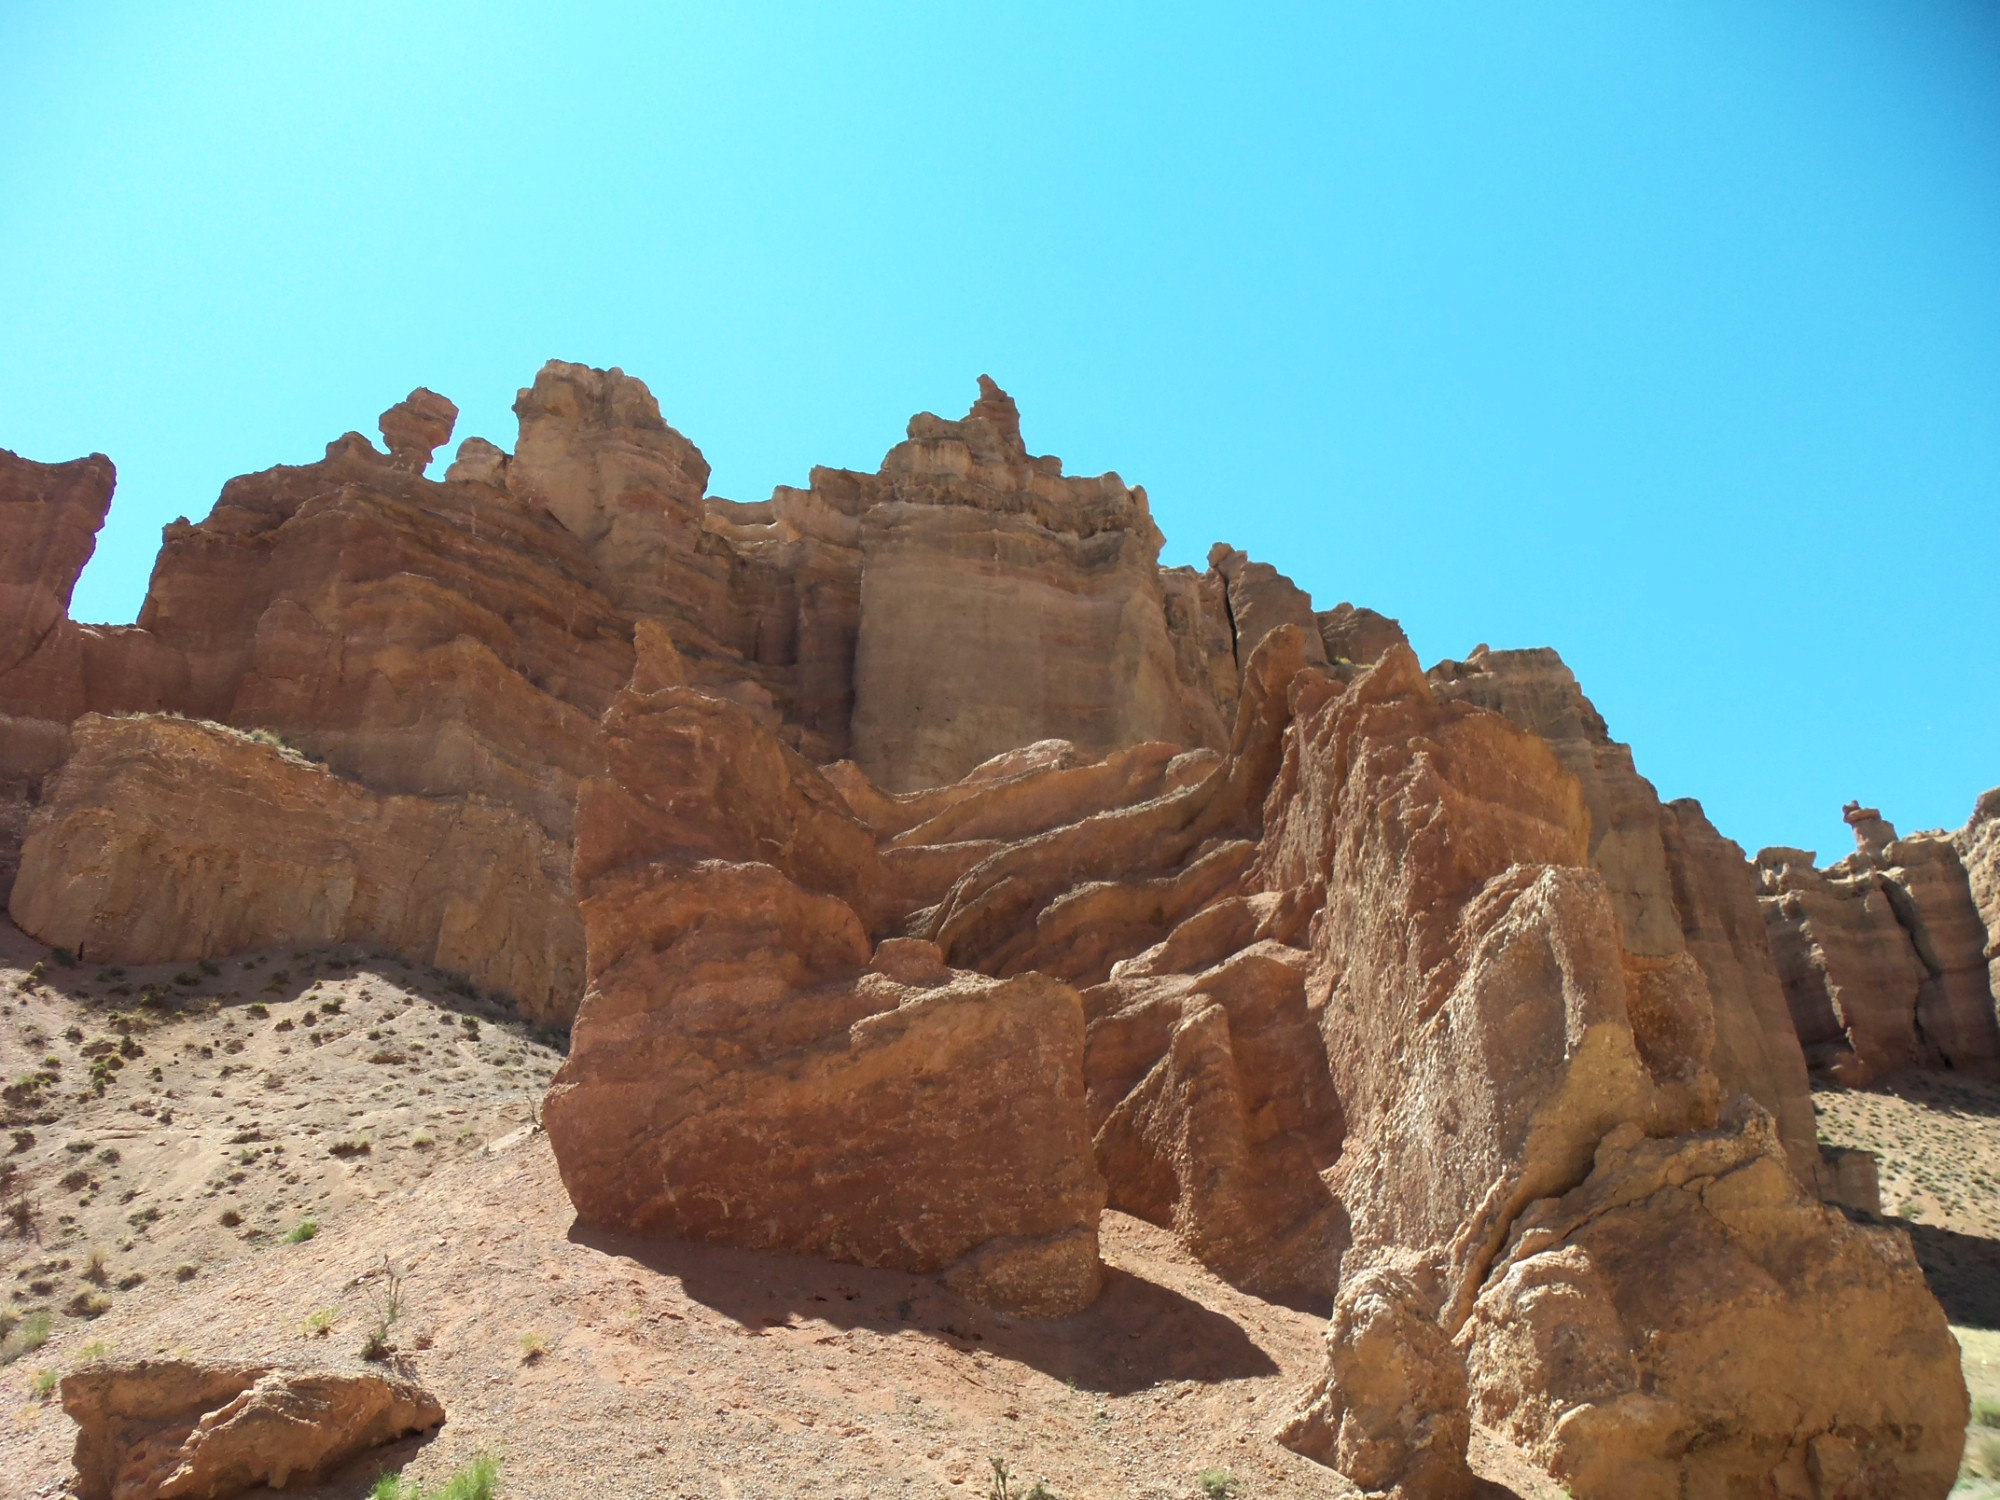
point(926, 869)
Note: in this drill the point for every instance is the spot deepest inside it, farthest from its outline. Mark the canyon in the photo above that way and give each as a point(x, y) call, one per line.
point(924, 878)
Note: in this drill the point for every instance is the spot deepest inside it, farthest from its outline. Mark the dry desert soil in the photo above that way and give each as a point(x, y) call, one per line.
point(226, 1160)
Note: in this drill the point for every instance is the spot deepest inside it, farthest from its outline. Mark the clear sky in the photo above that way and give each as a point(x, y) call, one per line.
point(1667, 334)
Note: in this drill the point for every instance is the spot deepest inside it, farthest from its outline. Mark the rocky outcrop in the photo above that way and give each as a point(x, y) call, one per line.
point(944, 869)
point(1004, 602)
point(749, 1069)
point(1687, 1321)
point(1496, 1051)
point(1978, 846)
point(1682, 893)
point(167, 839)
point(1884, 955)
point(164, 1428)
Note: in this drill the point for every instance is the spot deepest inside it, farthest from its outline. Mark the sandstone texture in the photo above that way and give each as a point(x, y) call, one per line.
point(168, 839)
point(923, 870)
point(172, 1429)
point(1886, 955)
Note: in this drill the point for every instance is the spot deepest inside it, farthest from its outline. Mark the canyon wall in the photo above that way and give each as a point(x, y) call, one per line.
point(923, 869)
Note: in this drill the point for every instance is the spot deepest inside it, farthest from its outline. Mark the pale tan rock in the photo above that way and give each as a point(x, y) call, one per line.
point(1978, 845)
point(1680, 891)
point(1757, 1052)
point(167, 839)
point(1003, 602)
point(1356, 636)
point(1493, 1044)
point(1687, 1321)
point(170, 1429)
point(1390, 1410)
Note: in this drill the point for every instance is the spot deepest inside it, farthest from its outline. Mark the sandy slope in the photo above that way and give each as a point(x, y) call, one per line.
point(668, 1371)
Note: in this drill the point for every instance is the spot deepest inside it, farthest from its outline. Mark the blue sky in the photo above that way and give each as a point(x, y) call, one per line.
point(1664, 334)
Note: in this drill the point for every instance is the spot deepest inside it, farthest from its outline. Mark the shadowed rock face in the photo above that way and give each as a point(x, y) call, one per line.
point(943, 869)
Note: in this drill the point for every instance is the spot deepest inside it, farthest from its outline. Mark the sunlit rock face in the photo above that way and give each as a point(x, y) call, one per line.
point(1886, 954)
point(921, 869)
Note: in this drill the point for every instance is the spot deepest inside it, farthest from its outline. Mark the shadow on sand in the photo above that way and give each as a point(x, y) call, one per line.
point(1137, 1334)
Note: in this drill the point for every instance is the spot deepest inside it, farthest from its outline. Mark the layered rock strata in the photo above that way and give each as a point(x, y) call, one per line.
point(1685, 897)
point(945, 870)
point(1885, 956)
point(170, 839)
point(749, 1069)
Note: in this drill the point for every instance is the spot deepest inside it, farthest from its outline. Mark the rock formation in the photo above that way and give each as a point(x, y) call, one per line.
point(1978, 847)
point(1885, 955)
point(941, 869)
point(165, 838)
point(164, 1428)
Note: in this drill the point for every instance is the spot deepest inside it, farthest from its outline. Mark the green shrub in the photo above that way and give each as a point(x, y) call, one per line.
point(302, 1231)
point(476, 1481)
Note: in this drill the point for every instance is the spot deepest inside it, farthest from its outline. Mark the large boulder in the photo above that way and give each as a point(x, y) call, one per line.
point(174, 1429)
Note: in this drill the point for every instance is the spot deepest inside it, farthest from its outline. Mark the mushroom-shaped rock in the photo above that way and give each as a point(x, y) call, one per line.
point(416, 427)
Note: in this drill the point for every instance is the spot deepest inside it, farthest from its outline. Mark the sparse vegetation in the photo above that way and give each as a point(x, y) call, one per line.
point(43, 1385)
point(385, 1302)
point(230, 1218)
point(1218, 1484)
point(533, 1347)
point(320, 1321)
point(1002, 1487)
point(88, 1305)
point(302, 1231)
point(476, 1481)
point(95, 1349)
point(28, 1335)
point(352, 1145)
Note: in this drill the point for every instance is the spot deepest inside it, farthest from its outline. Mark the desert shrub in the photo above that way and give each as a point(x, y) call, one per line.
point(1218, 1484)
point(533, 1346)
point(95, 1268)
point(88, 1305)
point(385, 1302)
point(186, 1272)
point(302, 1231)
point(28, 1335)
point(476, 1481)
point(1986, 1411)
point(43, 1385)
point(320, 1321)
